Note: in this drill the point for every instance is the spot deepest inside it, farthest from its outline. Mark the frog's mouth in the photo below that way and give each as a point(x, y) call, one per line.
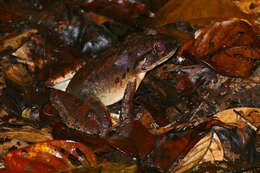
point(160, 61)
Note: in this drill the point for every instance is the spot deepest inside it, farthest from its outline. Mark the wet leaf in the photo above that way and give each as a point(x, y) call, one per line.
point(53, 155)
point(238, 142)
point(138, 142)
point(89, 116)
point(125, 11)
point(156, 108)
point(233, 54)
point(197, 12)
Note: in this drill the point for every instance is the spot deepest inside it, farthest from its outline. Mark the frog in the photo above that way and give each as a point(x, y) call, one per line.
point(109, 77)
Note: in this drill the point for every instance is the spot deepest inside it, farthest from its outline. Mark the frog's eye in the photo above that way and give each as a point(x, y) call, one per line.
point(160, 47)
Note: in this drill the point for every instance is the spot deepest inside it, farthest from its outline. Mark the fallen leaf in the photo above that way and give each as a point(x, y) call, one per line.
point(11, 44)
point(137, 142)
point(125, 10)
point(25, 133)
point(197, 12)
point(53, 155)
point(171, 149)
point(230, 47)
point(182, 36)
point(232, 116)
point(18, 74)
point(207, 149)
point(248, 6)
point(109, 167)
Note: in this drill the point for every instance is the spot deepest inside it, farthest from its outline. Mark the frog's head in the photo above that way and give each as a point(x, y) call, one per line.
point(162, 48)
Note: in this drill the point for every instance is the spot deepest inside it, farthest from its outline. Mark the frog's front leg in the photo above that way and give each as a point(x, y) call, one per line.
point(127, 102)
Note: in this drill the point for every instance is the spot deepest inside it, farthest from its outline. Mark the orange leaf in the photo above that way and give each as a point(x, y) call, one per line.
point(58, 155)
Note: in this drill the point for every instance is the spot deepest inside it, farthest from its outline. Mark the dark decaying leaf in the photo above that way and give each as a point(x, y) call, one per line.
point(230, 47)
point(50, 156)
point(89, 116)
point(238, 144)
point(187, 79)
point(125, 10)
point(172, 148)
point(73, 26)
point(138, 142)
point(233, 141)
point(156, 108)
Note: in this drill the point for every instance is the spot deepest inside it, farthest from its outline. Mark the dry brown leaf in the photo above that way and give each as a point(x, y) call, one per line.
point(18, 74)
point(26, 133)
point(234, 115)
point(21, 137)
point(248, 6)
point(207, 149)
point(197, 12)
point(15, 42)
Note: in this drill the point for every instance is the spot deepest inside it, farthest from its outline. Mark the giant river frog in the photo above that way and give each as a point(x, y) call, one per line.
point(108, 77)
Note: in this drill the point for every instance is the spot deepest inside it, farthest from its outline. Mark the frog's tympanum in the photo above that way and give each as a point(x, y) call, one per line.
point(126, 63)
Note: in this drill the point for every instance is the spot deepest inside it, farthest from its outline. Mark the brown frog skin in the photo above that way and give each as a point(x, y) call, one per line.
point(129, 62)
